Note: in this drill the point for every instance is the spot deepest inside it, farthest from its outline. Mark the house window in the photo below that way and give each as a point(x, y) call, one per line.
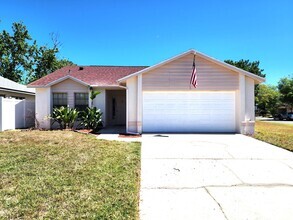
point(59, 99)
point(81, 101)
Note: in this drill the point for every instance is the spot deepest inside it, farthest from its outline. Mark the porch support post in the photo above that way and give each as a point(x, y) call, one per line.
point(89, 99)
point(139, 103)
point(241, 97)
point(127, 103)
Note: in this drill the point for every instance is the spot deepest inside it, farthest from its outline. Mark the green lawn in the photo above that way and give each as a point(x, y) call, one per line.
point(67, 175)
point(277, 134)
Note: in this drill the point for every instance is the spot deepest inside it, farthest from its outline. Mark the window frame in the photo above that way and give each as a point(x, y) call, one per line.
point(81, 107)
point(59, 105)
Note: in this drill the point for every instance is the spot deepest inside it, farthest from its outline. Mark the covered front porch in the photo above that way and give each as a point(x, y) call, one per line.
point(112, 102)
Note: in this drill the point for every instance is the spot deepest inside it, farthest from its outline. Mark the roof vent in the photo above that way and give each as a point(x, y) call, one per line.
point(81, 68)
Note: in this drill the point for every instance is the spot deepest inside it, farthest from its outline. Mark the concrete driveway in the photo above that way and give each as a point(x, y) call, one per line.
point(214, 177)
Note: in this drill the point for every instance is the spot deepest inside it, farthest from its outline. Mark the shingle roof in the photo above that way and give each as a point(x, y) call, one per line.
point(91, 75)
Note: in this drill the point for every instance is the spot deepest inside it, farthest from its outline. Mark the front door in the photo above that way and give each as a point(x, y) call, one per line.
point(116, 107)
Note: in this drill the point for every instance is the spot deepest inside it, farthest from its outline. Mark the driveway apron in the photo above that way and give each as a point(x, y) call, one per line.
point(214, 177)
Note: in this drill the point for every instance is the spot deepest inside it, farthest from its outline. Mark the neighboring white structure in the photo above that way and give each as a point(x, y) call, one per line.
point(10, 89)
point(158, 98)
point(17, 105)
point(16, 113)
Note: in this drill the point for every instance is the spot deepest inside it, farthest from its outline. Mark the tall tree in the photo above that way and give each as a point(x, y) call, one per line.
point(16, 52)
point(285, 87)
point(46, 62)
point(22, 60)
point(252, 67)
point(267, 99)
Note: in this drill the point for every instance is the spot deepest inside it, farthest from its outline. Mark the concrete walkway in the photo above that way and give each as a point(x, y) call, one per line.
point(115, 133)
point(214, 177)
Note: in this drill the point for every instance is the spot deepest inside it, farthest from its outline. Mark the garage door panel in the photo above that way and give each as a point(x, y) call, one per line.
point(189, 112)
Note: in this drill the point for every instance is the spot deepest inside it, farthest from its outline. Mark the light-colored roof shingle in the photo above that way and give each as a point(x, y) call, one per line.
point(90, 75)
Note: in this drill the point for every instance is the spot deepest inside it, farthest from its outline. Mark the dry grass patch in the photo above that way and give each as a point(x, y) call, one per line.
point(277, 134)
point(66, 175)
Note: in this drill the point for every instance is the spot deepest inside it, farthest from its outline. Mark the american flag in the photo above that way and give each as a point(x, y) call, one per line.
point(193, 79)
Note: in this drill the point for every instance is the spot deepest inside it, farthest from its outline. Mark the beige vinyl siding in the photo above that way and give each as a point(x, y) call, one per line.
point(70, 87)
point(176, 76)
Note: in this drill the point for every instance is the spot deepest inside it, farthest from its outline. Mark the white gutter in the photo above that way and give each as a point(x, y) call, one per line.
point(124, 87)
point(17, 91)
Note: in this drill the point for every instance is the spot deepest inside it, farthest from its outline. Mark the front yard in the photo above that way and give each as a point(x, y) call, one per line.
point(67, 175)
point(277, 134)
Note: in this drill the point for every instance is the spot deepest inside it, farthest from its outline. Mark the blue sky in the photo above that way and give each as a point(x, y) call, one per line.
point(145, 32)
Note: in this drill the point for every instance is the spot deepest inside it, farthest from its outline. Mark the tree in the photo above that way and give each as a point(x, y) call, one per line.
point(252, 67)
point(285, 87)
point(267, 99)
point(22, 60)
point(16, 52)
point(46, 62)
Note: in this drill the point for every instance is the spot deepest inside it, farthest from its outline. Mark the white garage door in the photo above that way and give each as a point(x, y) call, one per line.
point(188, 112)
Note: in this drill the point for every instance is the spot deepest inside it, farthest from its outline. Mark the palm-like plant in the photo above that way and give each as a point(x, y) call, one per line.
point(93, 95)
point(64, 116)
point(91, 118)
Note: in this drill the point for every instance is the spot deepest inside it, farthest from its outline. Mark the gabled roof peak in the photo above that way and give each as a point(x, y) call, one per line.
point(202, 55)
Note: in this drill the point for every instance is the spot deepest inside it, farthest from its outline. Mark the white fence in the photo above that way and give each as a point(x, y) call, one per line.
point(16, 113)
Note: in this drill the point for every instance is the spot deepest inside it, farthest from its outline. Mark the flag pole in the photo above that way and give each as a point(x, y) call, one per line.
point(193, 66)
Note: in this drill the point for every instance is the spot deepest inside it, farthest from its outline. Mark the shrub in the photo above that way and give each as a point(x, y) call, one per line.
point(91, 118)
point(64, 116)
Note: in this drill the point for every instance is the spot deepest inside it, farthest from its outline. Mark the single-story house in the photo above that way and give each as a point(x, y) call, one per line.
point(157, 98)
